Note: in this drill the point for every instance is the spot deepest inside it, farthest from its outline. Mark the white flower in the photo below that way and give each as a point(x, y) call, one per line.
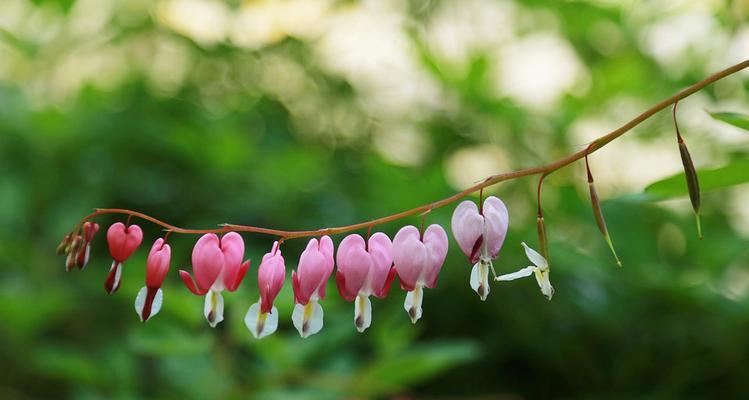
point(540, 269)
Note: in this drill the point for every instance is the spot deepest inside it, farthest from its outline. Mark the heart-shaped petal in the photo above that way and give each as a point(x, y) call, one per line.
point(496, 222)
point(468, 227)
point(123, 240)
point(409, 256)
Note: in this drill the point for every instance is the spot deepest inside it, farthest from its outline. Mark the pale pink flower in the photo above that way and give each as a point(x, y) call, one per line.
point(480, 235)
point(217, 265)
point(418, 260)
point(262, 317)
point(364, 269)
point(308, 281)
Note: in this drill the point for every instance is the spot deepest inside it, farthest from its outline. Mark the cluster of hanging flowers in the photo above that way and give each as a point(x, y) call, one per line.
point(363, 267)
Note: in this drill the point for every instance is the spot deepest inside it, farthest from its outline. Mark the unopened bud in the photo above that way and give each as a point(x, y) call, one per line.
point(61, 248)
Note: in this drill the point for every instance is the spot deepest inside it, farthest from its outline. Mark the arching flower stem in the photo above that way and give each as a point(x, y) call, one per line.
point(489, 181)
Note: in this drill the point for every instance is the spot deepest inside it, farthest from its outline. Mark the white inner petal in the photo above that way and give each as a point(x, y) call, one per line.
point(480, 278)
point(542, 277)
point(413, 303)
point(261, 324)
point(307, 319)
point(527, 271)
point(213, 308)
point(140, 301)
point(362, 313)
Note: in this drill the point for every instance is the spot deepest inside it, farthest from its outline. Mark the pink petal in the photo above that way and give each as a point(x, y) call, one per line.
point(340, 282)
point(326, 247)
point(207, 261)
point(497, 221)
point(232, 246)
point(270, 277)
point(123, 240)
point(353, 265)
point(436, 242)
point(311, 272)
point(381, 250)
point(190, 284)
point(157, 264)
point(467, 226)
point(232, 286)
point(383, 291)
point(409, 256)
point(297, 289)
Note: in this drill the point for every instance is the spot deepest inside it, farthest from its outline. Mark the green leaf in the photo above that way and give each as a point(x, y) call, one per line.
point(416, 364)
point(735, 173)
point(735, 119)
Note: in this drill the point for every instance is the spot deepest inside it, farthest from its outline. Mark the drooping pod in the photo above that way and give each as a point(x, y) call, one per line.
point(690, 173)
point(543, 242)
point(598, 213)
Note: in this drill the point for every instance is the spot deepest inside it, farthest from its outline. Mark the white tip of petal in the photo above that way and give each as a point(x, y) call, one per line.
point(535, 257)
point(141, 300)
point(86, 256)
point(362, 313)
point(527, 271)
point(480, 279)
point(114, 278)
point(413, 303)
point(307, 319)
point(213, 309)
point(261, 324)
point(542, 277)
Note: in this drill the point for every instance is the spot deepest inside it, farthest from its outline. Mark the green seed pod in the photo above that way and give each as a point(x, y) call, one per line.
point(542, 241)
point(598, 214)
point(693, 184)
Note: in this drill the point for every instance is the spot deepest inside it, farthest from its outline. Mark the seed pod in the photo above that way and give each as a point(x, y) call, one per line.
point(693, 184)
point(598, 214)
point(542, 240)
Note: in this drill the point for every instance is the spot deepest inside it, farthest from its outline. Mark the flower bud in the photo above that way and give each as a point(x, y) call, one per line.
point(63, 246)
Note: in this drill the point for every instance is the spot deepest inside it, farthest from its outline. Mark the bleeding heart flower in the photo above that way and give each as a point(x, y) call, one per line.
point(418, 260)
point(480, 234)
point(123, 241)
point(364, 268)
point(150, 297)
point(217, 265)
point(262, 317)
point(315, 267)
point(540, 268)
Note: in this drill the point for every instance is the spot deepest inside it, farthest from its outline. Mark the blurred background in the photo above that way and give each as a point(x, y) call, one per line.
point(301, 114)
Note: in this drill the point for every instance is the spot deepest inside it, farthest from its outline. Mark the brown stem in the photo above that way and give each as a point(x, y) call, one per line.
point(492, 180)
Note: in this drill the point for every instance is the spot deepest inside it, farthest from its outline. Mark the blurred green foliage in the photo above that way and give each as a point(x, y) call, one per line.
point(272, 135)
